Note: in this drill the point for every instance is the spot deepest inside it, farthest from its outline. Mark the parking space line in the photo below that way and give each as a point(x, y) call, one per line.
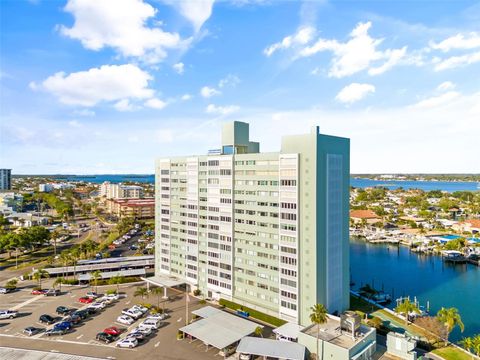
point(157, 344)
point(80, 336)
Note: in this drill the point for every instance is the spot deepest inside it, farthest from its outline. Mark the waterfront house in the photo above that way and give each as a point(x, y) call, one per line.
point(472, 226)
point(358, 216)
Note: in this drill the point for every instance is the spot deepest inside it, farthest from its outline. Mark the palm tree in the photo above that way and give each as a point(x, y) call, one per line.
point(39, 274)
point(158, 291)
point(476, 345)
point(318, 316)
point(143, 292)
point(74, 256)
point(468, 344)
point(116, 280)
point(58, 281)
point(450, 318)
point(54, 236)
point(258, 331)
point(95, 276)
point(407, 307)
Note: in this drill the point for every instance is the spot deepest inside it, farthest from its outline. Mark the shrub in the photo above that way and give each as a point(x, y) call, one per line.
point(202, 302)
point(111, 291)
point(272, 320)
point(197, 292)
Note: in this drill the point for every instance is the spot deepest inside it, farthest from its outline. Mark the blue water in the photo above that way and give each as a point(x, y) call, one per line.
point(355, 182)
point(449, 186)
point(402, 273)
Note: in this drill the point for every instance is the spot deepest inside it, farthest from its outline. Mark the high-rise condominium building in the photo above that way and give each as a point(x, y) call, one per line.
point(5, 179)
point(265, 230)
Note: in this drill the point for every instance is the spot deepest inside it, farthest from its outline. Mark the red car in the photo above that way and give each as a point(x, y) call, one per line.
point(38, 292)
point(113, 331)
point(85, 300)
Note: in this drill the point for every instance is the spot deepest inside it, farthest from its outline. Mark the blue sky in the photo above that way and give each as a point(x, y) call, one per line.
point(93, 87)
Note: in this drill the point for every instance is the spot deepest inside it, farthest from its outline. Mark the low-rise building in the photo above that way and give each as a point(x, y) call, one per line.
point(401, 346)
point(136, 208)
point(471, 226)
point(364, 215)
point(45, 187)
point(341, 338)
point(10, 202)
point(27, 219)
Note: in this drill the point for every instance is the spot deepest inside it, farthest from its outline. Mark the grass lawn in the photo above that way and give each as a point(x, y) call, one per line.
point(359, 304)
point(451, 353)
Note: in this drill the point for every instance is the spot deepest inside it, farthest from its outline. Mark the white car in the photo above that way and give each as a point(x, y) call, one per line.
point(158, 316)
point(97, 305)
point(8, 314)
point(92, 294)
point(126, 320)
point(128, 342)
point(136, 314)
point(111, 296)
point(140, 308)
point(152, 324)
point(144, 330)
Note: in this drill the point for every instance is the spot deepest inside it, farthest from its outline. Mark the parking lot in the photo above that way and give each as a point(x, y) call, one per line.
point(81, 339)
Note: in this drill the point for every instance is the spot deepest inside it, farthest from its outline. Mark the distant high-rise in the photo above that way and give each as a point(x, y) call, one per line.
point(265, 230)
point(5, 179)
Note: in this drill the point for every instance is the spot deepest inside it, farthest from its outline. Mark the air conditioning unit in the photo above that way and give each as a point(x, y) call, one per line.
point(350, 323)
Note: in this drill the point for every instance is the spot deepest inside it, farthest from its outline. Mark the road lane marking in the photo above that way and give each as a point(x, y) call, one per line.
point(157, 344)
point(128, 302)
point(80, 336)
point(8, 329)
point(16, 307)
point(180, 319)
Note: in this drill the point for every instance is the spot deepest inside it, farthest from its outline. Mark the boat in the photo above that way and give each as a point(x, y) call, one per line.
point(382, 298)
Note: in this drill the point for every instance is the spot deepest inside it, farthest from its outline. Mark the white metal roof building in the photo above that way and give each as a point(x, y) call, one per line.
point(288, 331)
point(219, 329)
point(271, 348)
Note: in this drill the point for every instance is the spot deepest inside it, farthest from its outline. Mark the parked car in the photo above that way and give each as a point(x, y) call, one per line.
point(92, 294)
point(82, 313)
point(137, 335)
point(106, 338)
point(140, 308)
point(55, 332)
point(91, 311)
point(52, 292)
point(6, 290)
point(153, 324)
point(47, 319)
point(113, 330)
point(136, 314)
point(97, 306)
point(126, 320)
point(63, 310)
point(31, 330)
point(128, 343)
point(144, 330)
point(73, 318)
point(85, 300)
point(38, 291)
point(64, 325)
point(158, 316)
point(111, 296)
point(133, 247)
point(8, 314)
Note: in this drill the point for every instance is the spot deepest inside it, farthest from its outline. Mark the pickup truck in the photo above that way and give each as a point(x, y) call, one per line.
point(8, 314)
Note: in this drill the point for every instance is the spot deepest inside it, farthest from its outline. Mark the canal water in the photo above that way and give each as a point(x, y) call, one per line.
point(402, 273)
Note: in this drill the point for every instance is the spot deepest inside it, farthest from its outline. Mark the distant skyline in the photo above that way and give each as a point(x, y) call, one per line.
point(105, 87)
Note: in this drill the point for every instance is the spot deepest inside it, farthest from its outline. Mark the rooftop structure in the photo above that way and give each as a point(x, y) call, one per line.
point(265, 230)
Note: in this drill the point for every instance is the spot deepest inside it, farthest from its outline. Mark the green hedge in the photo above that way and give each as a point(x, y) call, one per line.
point(272, 320)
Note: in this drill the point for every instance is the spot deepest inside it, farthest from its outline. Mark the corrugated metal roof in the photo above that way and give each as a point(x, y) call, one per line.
point(271, 348)
point(110, 274)
point(289, 330)
point(220, 329)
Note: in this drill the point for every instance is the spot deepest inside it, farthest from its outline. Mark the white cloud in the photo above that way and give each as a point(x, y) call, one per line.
point(208, 91)
point(74, 123)
point(124, 105)
point(195, 11)
point(121, 25)
point(302, 37)
point(357, 54)
point(155, 103)
point(354, 92)
point(446, 85)
point(179, 68)
point(456, 61)
point(186, 97)
point(459, 41)
point(221, 110)
point(107, 83)
point(229, 81)
point(84, 112)
point(437, 101)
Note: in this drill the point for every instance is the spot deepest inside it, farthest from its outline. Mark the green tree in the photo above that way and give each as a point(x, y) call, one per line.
point(95, 276)
point(450, 317)
point(258, 331)
point(158, 291)
point(318, 316)
point(116, 280)
point(143, 292)
point(39, 274)
point(58, 282)
point(406, 308)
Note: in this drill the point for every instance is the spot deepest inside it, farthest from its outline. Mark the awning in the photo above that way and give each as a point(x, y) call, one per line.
point(164, 280)
point(220, 329)
point(288, 330)
point(271, 348)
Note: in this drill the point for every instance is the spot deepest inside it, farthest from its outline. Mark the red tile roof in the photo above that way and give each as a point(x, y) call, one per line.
point(475, 223)
point(363, 214)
